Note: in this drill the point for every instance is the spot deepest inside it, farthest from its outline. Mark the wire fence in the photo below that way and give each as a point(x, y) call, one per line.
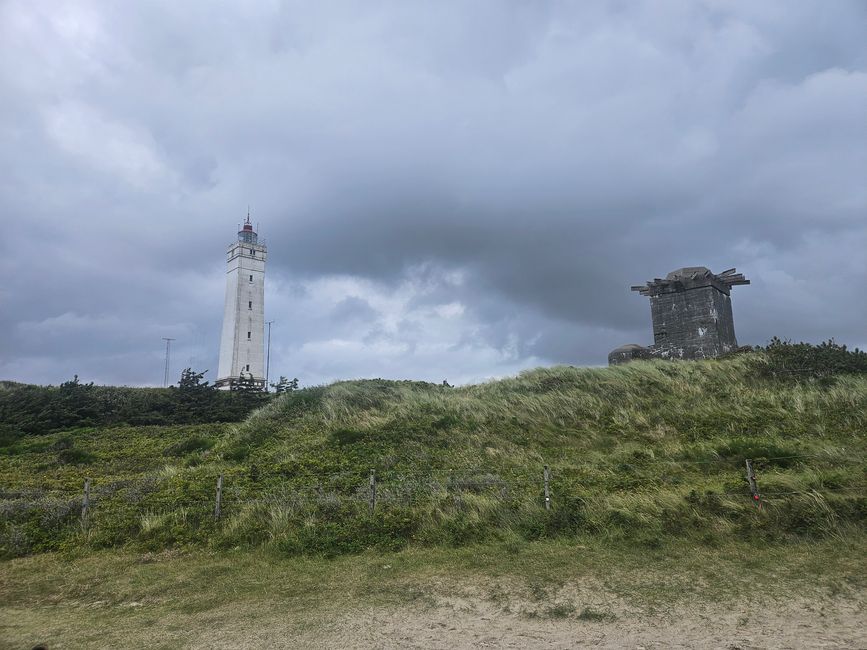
point(206, 491)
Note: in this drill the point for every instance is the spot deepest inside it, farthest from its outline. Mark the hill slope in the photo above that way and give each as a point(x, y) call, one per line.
point(644, 452)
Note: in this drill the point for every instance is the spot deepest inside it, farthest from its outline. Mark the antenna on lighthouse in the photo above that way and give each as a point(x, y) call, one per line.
point(168, 354)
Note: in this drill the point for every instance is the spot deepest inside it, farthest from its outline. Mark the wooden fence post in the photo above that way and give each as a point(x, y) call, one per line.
point(372, 490)
point(547, 491)
point(751, 479)
point(219, 497)
point(85, 504)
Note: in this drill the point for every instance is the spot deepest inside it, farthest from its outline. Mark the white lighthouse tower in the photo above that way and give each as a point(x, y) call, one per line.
point(242, 345)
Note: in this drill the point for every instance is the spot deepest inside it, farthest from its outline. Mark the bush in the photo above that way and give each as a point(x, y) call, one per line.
point(38, 410)
point(187, 446)
point(566, 518)
point(72, 456)
point(346, 436)
point(806, 360)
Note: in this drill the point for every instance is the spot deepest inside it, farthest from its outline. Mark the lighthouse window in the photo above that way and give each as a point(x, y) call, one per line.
point(248, 367)
point(249, 304)
point(252, 252)
point(251, 278)
point(248, 335)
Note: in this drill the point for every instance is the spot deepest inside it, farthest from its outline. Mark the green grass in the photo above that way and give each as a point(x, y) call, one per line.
point(641, 454)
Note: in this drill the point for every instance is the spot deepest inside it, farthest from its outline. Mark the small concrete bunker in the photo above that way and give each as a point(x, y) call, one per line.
point(692, 315)
point(627, 353)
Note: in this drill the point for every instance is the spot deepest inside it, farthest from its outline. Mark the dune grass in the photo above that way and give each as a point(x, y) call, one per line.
point(647, 452)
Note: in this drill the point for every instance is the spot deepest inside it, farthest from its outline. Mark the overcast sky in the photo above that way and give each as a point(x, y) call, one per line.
point(448, 190)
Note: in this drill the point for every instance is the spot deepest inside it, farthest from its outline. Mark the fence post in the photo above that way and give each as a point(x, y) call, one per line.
point(547, 491)
point(85, 504)
point(372, 490)
point(751, 479)
point(219, 497)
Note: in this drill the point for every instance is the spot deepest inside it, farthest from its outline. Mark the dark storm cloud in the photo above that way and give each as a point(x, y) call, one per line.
point(447, 189)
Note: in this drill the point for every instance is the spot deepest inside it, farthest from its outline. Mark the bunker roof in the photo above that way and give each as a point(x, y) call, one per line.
point(629, 347)
point(691, 277)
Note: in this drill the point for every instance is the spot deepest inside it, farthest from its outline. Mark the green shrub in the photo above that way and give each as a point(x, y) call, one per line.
point(38, 410)
point(183, 447)
point(236, 452)
point(345, 436)
point(808, 361)
point(73, 456)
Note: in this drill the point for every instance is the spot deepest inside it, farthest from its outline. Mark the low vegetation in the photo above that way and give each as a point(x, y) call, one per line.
point(498, 594)
point(801, 361)
point(26, 409)
point(642, 453)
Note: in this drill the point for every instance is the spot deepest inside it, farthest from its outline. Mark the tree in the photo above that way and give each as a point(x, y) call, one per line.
point(75, 405)
point(193, 397)
point(285, 386)
point(191, 381)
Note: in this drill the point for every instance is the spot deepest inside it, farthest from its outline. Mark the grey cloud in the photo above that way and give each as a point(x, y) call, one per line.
point(353, 308)
point(547, 155)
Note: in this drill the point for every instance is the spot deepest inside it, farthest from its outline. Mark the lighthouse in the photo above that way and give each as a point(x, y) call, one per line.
point(242, 344)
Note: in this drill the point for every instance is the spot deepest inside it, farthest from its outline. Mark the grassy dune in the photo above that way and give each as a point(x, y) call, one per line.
point(643, 453)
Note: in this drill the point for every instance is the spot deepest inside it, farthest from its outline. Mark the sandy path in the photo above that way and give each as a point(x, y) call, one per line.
point(111, 601)
point(466, 624)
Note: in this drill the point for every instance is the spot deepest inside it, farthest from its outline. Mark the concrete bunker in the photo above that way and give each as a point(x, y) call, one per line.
point(692, 316)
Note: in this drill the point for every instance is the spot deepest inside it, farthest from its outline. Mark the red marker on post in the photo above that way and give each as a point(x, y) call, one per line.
point(751, 479)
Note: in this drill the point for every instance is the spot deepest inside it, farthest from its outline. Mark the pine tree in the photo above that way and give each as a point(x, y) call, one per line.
point(284, 385)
